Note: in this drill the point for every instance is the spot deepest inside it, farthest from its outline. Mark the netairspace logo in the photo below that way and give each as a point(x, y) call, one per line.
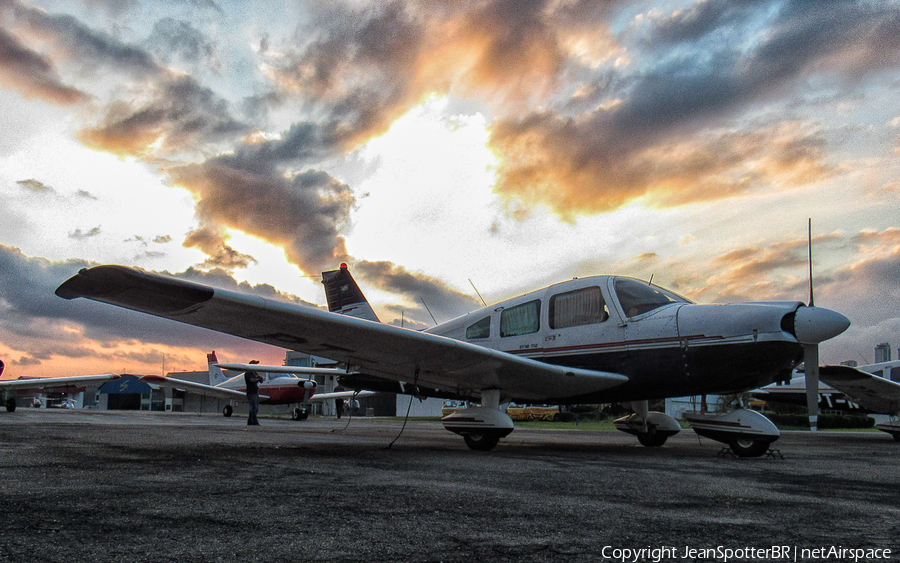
point(724, 554)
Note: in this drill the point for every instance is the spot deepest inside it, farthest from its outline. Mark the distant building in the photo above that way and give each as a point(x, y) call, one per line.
point(883, 353)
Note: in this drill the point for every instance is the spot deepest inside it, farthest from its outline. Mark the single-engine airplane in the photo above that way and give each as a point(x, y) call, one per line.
point(597, 339)
point(281, 385)
point(9, 387)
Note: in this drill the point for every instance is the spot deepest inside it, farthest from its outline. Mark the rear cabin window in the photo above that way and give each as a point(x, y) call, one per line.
point(481, 329)
point(577, 308)
point(521, 319)
point(637, 297)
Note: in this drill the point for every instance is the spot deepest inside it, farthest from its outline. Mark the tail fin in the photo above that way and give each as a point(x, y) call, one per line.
point(1, 367)
point(216, 375)
point(344, 296)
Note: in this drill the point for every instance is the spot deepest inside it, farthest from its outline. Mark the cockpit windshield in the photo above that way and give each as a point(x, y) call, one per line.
point(637, 297)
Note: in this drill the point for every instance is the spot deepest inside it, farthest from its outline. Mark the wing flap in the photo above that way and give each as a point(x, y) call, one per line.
point(387, 351)
point(871, 392)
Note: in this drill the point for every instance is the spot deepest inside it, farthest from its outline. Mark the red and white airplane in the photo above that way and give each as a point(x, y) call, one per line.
point(590, 340)
point(282, 385)
point(10, 387)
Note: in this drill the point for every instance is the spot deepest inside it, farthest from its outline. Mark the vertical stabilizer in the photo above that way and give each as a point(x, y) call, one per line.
point(1, 367)
point(216, 375)
point(344, 296)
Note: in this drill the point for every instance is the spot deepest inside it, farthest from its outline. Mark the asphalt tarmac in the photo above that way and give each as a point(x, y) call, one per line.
point(112, 486)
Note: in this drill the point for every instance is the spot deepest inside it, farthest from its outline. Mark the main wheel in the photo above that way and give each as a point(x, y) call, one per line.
point(748, 447)
point(896, 435)
point(481, 442)
point(300, 414)
point(10, 405)
point(227, 411)
point(652, 439)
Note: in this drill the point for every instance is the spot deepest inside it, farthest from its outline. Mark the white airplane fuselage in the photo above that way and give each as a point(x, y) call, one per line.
point(665, 345)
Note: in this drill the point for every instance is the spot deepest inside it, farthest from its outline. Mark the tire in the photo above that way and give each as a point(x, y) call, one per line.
point(896, 435)
point(227, 411)
point(556, 417)
point(299, 414)
point(748, 447)
point(10, 405)
point(651, 439)
point(481, 442)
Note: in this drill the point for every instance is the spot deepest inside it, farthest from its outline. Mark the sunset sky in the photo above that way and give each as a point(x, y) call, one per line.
point(516, 143)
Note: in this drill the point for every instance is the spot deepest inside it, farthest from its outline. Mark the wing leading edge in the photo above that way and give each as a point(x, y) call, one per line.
point(388, 351)
point(43, 383)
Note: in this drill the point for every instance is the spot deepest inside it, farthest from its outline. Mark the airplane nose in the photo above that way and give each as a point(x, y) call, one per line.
point(815, 324)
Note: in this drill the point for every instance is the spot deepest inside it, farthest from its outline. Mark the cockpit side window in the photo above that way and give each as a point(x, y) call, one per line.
point(481, 329)
point(521, 319)
point(577, 308)
point(637, 297)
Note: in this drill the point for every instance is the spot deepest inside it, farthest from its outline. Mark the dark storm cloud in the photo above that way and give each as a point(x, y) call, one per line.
point(33, 74)
point(35, 321)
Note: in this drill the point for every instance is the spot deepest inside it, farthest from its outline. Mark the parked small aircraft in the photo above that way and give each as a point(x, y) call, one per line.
point(281, 386)
point(9, 387)
point(865, 389)
point(590, 340)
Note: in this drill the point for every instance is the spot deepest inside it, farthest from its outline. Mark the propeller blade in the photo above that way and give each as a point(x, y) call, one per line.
point(812, 302)
point(811, 361)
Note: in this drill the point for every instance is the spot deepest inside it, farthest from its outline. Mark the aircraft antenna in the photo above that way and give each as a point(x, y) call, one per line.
point(429, 311)
point(478, 293)
point(651, 280)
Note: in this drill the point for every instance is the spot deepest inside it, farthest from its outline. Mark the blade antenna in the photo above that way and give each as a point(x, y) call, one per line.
point(809, 248)
point(478, 293)
point(429, 311)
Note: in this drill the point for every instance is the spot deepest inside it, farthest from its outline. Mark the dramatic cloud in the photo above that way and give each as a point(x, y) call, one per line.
point(41, 326)
point(213, 244)
point(33, 74)
point(442, 300)
point(35, 186)
point(650, 134)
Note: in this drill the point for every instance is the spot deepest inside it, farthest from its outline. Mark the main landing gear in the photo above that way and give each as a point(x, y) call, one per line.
point(653, 433)
point(481, 427)
point(747, 432)
point(300, 413)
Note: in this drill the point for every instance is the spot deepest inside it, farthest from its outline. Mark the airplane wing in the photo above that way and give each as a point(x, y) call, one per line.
point(340, 395)
point(873, 393)
point(388, 351)
point(43, 383)
point(199, 388)
point(299, 370)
